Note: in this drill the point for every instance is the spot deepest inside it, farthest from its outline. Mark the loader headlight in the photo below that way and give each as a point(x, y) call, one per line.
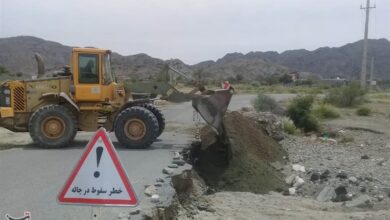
point(6, 92)
point(7, 101)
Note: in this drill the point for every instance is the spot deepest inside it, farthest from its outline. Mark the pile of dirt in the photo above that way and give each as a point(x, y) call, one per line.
point(241, 159)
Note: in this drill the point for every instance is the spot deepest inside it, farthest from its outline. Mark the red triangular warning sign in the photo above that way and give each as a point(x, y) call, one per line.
point(99, 178)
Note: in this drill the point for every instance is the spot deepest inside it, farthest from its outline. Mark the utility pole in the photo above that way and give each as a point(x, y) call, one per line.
point(372, 73)
point(365, 45)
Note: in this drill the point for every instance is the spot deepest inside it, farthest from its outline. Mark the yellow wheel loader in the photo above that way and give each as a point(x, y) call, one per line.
point(84, 97)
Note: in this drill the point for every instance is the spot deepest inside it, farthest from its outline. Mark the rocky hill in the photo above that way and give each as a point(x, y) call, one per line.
point(328, 62)
point(16, 53)
point(234, 64)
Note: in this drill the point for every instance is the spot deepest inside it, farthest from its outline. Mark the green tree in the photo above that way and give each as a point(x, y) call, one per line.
point(239, 77)
point(271, 79)
point(285, 79)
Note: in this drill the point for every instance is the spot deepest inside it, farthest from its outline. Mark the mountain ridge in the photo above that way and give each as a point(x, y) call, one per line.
point(16, 54)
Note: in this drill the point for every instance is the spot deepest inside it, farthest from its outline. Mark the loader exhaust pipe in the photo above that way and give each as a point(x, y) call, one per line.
point(41, 65)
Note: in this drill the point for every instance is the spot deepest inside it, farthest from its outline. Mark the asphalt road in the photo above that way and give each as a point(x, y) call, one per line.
point(31, 178)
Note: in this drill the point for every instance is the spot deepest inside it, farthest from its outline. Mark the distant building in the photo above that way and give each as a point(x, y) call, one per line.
point(294, 76)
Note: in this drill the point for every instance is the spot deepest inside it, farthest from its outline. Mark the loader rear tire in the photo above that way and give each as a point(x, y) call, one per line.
point(52, 126)
point(159, 115)
point(136, 127)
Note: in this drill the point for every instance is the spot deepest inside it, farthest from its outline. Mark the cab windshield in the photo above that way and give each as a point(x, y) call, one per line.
point(108, 78)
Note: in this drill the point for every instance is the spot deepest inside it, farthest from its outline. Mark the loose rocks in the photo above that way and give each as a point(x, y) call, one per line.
point(135, 212)
point(176, 155)
point(179, 162)
point(342, 194)
point(291, 191)
point(155, 198)
point(290, 179)
point(315, 176)
point(297, 167)
point(298, 181)
point(150, 190)
point(353, 180)
point(326, 194)
point(160, 180)
point(271, 123)
point(325, 175)
point(168, 171)
point(380, 198)
point(123, 215)
point(342, 175)
point(174, 166)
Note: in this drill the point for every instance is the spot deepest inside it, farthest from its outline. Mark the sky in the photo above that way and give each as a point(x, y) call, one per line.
point(194, 30)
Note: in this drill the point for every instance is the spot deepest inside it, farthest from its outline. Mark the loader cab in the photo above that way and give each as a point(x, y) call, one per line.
point(92, 76)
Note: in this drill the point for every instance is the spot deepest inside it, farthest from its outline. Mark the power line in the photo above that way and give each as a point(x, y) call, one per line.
point(363, 74)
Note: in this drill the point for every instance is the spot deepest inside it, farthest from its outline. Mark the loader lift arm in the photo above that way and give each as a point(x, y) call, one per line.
point(210, 104)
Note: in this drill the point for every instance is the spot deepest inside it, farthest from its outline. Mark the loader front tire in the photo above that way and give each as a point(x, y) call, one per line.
point(52, 126)
point(136, 127)
point(159, 115)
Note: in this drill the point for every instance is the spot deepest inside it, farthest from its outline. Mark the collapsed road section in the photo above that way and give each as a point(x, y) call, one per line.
point(241, 159)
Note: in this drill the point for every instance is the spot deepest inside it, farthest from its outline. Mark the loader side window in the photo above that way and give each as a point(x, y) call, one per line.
point(88, 68)
point(107, 70)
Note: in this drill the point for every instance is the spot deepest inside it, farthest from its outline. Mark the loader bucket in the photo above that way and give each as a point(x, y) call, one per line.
point(212, 107)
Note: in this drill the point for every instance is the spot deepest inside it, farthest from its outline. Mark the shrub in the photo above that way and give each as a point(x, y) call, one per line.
point(285, 79)
point(264, 103)
point(271, 79)
point(300, 113)
point(239, 77)
point(345, 96)
point(363, 111)
point(326, 112)
point(289, 127)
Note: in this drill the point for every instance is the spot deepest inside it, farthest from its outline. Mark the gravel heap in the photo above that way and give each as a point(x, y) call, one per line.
point(243, 159)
